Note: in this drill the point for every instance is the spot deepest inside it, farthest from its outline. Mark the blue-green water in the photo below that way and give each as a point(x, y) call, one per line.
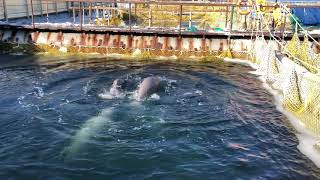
point(212, 121)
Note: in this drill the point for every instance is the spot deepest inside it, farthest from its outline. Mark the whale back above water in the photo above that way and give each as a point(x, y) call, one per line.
point(148, 86)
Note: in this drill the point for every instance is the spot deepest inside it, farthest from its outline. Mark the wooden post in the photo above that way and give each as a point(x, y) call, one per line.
point(27, 9)
point(5, 11)
point(47, 10)
point(231, 19)
point(130, 17)
point(80, 14)
point(180, 20)
point(32, 13)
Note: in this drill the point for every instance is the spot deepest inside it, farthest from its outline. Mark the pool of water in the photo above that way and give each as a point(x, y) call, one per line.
point(209, 121)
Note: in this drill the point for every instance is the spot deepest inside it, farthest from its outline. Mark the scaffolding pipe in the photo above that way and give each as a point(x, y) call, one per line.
point(5, 11)
point(130, 17)
point(47, 10)
point(180, 20)
point(41, 10)
point(80, 14)
point(33, 26)
point(231, 19)
point(27, 9)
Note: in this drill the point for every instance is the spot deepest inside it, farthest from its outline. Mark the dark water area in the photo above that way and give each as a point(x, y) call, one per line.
point(209, 121)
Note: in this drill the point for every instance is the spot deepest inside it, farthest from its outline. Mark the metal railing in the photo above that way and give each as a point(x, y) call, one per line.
point(176, 15)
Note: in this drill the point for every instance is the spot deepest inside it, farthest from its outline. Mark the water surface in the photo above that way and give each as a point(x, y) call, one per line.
point(209, 121)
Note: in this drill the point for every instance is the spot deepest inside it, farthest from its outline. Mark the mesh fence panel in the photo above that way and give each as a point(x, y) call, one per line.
point(295, 80)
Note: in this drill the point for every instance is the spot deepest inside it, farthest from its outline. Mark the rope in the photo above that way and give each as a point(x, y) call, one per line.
point(298, 24)
point(282, 46)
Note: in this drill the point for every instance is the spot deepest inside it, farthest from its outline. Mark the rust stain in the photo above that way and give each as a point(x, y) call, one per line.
point(118, 40)
point(166, 43)
point(83, 39)
point(191, 46)
point(221, 46)
point(130, 39)
point(72, 42)
point(136, 43)
point(154, 41)
point(203, 44)
point(141, 45)
point(60, 37)
point(179, 41)
point(94, 40)
point(48, 37)
point(106, 39)
point(35, 36)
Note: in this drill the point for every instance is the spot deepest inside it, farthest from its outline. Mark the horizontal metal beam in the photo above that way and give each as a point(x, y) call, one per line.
point(187, 3)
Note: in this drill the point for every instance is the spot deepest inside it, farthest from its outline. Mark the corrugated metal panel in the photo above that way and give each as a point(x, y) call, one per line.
point(22, 8)
point(1, 10)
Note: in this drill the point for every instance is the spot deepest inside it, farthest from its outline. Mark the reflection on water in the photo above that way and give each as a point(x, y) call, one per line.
point(209, 120)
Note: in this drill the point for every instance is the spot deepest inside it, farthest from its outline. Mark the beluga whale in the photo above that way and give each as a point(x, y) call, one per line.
point(147, 87)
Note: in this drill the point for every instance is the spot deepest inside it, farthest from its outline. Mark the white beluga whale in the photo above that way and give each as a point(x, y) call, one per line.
point(116, 87)
point(147, 87)
point(90, 128)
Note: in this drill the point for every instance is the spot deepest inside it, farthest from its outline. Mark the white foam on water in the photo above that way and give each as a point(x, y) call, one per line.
point(155, 96)
point(89, 129)
point(109, 95)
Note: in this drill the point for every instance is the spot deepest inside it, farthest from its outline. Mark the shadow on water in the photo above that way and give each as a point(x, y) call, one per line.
point(211, 120)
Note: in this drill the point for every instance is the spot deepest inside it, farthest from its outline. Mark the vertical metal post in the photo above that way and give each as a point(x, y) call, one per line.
point(5, 11)
point(41, 9)
point(80, 14)
point(73, 12)
point(130, 17)
point(27, 9)
point(90, 13)
point(56, 7)
point(83, 10)
point(150, 16)
point(227, 14)
point(231, 19)
point(284, 25)
point(190, 19)
point(180, 20)
point(32, 13)
point(68, 8)
point(47, 10)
